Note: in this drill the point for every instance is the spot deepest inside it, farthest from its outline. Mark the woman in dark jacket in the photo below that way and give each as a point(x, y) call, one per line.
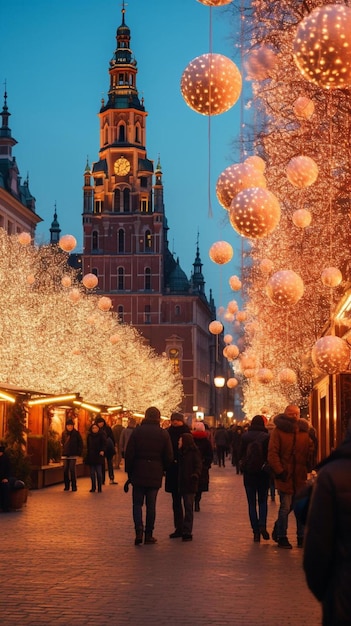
point(72, 447)
point(327, 540)
point(190, 465)
point(206, 453)
point(256, 482)
point(96, 443)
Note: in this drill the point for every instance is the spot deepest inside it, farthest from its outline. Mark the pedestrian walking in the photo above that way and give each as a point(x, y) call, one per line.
point(72, 448)
point(222, 441)
point(126, 433)
point(96, 442)
point(148, 455)
point(327, 542)
point(202, 441)
point(253, 456)
point(117, 430)
point(175, 431)
point(110, 450)
point(289, 451)
point(189, 473)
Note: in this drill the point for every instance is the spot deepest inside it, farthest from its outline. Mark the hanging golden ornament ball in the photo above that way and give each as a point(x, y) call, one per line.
point(104, 303)
point(215, 3)
point(264, 375)
point(287, 376)
point(235, 283)
point(31, 279)
point(235, 178)
point(66, 281)
point(75, 295)
point(260, 63)
point(24, 238)
point(232, 306)
point(67, 243)
point(321, 47)
point(221, 252)
point(231, 352)
point(254, 213)
point(302, 171)
point(302, 218)
point(303, 108)
point(90, 281)
point(257, 162)
point(331, 277)
point(232, 382)
point(249, 372)
point(331, 354)
point(211, 84)
point(285, 288)
point(215, 327)
point(266, 266)
point(227, 338)
point(241, 316)
point(114, 338)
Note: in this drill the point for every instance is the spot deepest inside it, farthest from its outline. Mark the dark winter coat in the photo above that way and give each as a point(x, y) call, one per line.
point(327, 541)
point(289, 451)
point(96, 443)
point(175, 432)
point(206, 453)
point(148, 454)
point(72, 443)
point(221, 437)
point(190, 466)
point(262, 436)
point(110, 450)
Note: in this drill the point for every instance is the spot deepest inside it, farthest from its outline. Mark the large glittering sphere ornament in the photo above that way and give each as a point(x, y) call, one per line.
point(287, 376)
point(249, 373)
point(254, 213)
point(66, 281)
point(285, 288)
point(232, 306)
point(266, 266)
point(214, 3)
point(228, 317)
point(264, 375)
point(302, 218)
point(228, 339)
point(331, 354)
point(232, 382)
point(90, 281)
point(231, 352)
point(303, 108)
point(114, 338)
point(247, 362)
point(257, 162)
point(215, 327)
point(221, 252)
point(302, 171)
point(31, 279)
point(331, 277)
point(104, 303)
point(67, 243)
point(75, 295)
point(211, 84)
point(24, 238)
point(235, 283)
point(260, 63)
point(241, 316)
point(322, 49)
point(235, 178)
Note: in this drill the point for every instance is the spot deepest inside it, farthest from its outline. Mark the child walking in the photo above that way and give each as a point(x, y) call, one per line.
point(190, 466)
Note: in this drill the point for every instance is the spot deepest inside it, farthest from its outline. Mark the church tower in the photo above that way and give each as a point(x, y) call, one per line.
point(125, 236)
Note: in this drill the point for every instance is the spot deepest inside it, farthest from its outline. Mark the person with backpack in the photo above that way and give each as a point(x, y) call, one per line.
point(253, 457)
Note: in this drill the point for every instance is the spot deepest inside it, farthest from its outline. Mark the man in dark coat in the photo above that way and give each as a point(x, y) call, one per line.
point(175, 431)
point(327, 542)
point(72, 448)
point(4, 480)
point(147, 457)
point(110, 450)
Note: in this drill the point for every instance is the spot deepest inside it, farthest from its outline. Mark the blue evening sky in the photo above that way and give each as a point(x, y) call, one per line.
point(55, 58)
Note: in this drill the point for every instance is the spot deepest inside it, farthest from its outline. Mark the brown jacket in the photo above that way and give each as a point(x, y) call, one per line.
point(289, 451)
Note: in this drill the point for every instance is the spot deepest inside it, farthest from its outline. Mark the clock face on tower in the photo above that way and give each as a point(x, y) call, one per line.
point(121, 166)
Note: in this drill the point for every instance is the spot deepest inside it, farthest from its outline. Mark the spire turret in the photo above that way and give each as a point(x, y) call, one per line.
point(55, 229)
point(197, 278)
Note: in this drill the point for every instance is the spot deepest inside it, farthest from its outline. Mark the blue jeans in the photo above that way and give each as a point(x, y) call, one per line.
point(286, 506)
point(257, 495)
point(149, 494)
point(69, 473)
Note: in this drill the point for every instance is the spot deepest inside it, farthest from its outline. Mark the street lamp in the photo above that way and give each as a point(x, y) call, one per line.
point(219, 381)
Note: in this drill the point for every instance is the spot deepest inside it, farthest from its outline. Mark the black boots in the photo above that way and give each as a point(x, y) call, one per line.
point(138, 537)
point(149, 538)
point(197, 506)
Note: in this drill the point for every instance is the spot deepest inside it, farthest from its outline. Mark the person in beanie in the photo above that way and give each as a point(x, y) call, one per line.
point(175, 431)
point(148, 455)
point(190, 465)
point(204, 446)
point(72, 447)
point(110, 450)
point(96, 443)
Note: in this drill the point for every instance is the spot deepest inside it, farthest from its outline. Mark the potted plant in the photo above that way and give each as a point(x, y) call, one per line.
point(15, 443)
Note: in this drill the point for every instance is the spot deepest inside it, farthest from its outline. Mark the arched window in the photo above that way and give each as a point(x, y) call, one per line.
point(120, 274)
point(117, 201)
point(121, 240)
point(147, 240)
point(121, 133)
point(147, 279)
point(106, 133)
point(95, 240)
point(126, 200)
point(120, 312)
